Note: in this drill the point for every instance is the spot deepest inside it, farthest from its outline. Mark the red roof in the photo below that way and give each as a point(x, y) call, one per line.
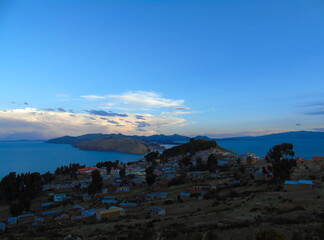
point(318, 158)
point(87, 169)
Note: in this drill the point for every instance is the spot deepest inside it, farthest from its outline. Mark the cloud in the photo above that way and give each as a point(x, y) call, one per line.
point(48, 109)
point(319, 129)
point(112, 121)
point(142, 124)
point(319, 112)
point(252, 133)
point(104, 113)
point(181, 108)
point(32, 123)
point(93, 97)
point(61, 109)
point(140, 117)
point(137, 100)
point(143, 99)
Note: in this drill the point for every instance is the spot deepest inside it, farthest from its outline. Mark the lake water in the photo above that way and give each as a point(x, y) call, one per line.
point(306, 148)
point(37, 156)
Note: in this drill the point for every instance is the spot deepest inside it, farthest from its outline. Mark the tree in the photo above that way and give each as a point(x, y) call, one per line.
point(185, 161)
point(282, 162)
point(239, 161)
point(199, 163)
point(150, 176)
point(96, 184)
point(152, 156)
point(212, 162)
point(249, 160)
point(122, 172)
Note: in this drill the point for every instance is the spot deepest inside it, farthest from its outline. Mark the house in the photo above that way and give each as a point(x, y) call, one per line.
point(64, 218)
point(76, 219)
point(86, 197)
point(26, 218)
point(67, 198)
point(48, 204)
point(161, 195)
point(150, 196)
point(260, 176)
point(109, 214)
point(217, 176)
point(124, 189)
point(298, 185)
point(156, 211)
point(59, 197)
point(319, 160)
point(12, 221)
point(291, 185)
point(128, 204)
point(305, 184)
point(184, 195)
point(115, 171)
point(39, 220)
point(200, 187)
point(221, 163)
point(88, 215)
point(109, 197)
point(108, 201)
point(139, 181)
point(2, 226)
point(75, 211)
point(50, 215)
point(213, 186)
point(87, 171)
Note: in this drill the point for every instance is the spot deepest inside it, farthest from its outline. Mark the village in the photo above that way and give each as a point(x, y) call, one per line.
point(238, 193)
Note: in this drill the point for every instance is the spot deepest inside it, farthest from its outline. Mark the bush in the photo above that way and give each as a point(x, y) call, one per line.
point(168, 202)
point(270, 234)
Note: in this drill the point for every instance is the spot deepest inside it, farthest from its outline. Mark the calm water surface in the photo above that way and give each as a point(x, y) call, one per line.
point(37, 156)
point(306, 148)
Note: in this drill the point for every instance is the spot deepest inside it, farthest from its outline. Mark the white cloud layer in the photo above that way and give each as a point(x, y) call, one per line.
point(31, 123)
point(138, 100)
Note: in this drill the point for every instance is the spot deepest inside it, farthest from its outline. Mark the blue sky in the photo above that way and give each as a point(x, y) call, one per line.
point(218, 68)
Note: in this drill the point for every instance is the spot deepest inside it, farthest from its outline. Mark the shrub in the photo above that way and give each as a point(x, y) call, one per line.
point(168, 202)
point(270, 234)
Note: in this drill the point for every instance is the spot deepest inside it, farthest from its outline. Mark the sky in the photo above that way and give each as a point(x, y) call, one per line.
point(217, 68)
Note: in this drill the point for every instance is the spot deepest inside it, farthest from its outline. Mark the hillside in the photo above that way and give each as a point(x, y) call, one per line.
point(102, 142)
point(125, 145)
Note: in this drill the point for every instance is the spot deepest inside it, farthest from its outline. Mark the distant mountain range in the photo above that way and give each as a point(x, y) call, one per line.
point(285, 135)
point(178, 139)
point(161, 139)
